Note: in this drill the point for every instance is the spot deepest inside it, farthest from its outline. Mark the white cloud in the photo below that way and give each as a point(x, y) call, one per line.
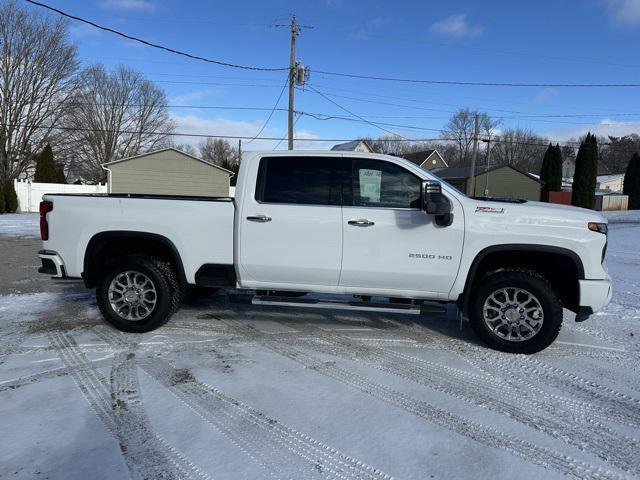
point(545, 95)
point(130, 5)
point(456, 26)
point(81, 31)
point(624, 12)
point(605, 127)
point(193, 124)
point(193, 96)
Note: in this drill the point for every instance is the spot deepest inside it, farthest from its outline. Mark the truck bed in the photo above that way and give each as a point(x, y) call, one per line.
point(199, 228)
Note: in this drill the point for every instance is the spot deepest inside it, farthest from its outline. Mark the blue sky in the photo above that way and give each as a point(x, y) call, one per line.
point(581, 41)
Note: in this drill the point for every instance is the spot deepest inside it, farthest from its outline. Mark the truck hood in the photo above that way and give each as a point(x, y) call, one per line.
point(539, 212)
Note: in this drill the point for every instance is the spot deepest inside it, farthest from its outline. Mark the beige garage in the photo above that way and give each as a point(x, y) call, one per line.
point(167, 172)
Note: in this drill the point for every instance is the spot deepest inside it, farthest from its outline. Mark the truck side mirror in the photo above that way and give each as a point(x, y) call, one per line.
point(433, 201)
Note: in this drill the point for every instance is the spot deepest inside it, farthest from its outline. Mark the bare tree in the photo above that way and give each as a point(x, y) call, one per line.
point(115, 115)
point(218, 151)
point(37, 66)
point(186, 148)
point(519, 147)
point(461, 130)
point(617, 151)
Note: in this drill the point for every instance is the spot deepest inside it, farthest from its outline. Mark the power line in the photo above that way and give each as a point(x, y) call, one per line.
point(477, 84)
point(325, 140)
point(351, 113)
point(151, 44)
point(323, 117)
point(196, 135)
point(532, 118)
point(275, 106)
point(360, 92)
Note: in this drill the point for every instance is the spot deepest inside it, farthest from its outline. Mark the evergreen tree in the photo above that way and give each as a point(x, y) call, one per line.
point(584, 178)
point(557, 168)
point(631, 173)
point(545, 171)
point(632, 182)
point(46, 168)
point(2, 203)
point(551, 172)
point(10, 197)
point(60, 176)
point(234, 167)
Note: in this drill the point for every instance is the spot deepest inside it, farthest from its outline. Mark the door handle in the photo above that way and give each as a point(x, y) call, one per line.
point(361, 223)
point(259, 218)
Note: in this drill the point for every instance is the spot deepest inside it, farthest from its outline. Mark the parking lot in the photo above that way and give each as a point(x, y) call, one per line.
point(229, 390)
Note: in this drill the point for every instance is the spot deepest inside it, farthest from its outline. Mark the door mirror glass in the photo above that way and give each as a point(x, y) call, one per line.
point(433, 201)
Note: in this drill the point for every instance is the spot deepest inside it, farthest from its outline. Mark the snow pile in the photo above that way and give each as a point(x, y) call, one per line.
point(20, 225)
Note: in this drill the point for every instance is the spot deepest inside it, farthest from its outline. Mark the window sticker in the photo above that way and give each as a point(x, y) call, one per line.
point(370, 183)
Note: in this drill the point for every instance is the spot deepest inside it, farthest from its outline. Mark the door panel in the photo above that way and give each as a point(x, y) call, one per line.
point(403, 250)
point(391, 244)
point(301, 243)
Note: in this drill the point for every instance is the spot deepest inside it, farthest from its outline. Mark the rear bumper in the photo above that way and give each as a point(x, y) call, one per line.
point(594, 296)
point(52, 264)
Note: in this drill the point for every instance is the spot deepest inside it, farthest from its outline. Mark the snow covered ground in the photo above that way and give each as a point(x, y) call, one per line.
point(20, 225)
point(234, 391)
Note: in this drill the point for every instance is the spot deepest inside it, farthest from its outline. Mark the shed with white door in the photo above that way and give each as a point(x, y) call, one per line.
point(167, 172)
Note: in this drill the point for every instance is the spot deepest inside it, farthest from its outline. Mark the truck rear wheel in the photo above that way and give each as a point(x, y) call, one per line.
point(138, 293)
point(515, 311)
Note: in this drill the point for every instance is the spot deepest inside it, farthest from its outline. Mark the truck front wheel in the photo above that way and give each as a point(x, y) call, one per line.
point(138, 293)
point(515, 311)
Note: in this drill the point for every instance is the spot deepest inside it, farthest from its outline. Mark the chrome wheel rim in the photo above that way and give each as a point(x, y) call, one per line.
point(513, 314)
point(132, 295)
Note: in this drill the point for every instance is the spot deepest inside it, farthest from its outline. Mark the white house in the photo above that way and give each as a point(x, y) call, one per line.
point(613, 182)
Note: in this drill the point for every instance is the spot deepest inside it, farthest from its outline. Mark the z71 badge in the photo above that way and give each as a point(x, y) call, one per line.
point(489, 210)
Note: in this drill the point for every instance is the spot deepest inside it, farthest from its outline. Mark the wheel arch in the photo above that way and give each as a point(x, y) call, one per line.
point(562, 268)
point(105, 245)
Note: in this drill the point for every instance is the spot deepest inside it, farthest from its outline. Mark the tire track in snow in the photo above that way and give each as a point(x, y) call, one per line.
point(116, 403)
point(485, 435)
point(8, 347)
point(49, 374)
point(618, 406)
point(282, 451)
point(567, 421)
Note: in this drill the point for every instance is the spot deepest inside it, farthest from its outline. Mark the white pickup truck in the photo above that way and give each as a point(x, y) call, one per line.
point(360, 225)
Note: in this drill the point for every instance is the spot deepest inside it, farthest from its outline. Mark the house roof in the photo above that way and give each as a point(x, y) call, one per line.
point(350, 146)
point(462, 173)
point(175, 150)
point(418, 157)
point(610, 178)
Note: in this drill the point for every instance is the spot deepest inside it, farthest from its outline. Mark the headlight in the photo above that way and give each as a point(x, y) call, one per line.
point(598, 227)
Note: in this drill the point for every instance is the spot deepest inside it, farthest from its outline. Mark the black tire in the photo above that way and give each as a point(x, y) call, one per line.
point(167, 291)
point(526, 280)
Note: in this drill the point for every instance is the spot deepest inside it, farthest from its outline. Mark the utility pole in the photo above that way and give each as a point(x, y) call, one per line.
point(292, 76)
point(486, 185)
point(471, 184)
point(239, 150)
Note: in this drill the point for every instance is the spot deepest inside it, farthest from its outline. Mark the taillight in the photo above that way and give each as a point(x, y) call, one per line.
point(45, 207)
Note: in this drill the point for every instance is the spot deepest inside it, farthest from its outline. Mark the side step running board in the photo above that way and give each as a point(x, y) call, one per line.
point(347, 305)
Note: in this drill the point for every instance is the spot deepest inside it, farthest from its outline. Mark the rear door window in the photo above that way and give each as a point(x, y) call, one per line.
point(300, 180)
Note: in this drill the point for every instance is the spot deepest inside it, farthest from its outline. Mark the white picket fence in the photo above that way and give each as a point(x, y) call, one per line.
point(30, 193)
